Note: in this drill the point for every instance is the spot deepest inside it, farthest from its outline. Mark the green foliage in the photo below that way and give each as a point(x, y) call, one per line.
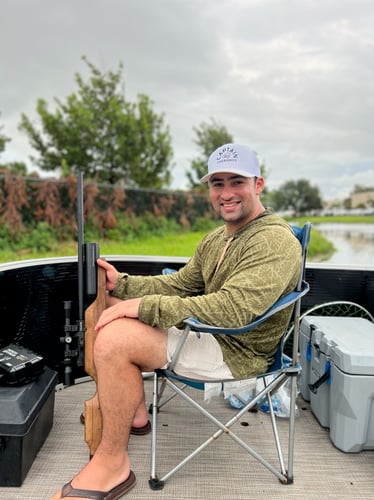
point(320, 248)
point(202, 224)
point(40, 239)
point(174, 241)
point(100, 133)
point(298, 196)
point(16, 167)
point(358, 188)
point(135, 228)
point(148, 234)
point(6, 238)
point(3, 140)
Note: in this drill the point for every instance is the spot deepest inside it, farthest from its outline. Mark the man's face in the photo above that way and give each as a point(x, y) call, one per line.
point(235, 198)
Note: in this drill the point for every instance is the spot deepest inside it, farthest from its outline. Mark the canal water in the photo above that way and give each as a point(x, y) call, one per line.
point(354, 243)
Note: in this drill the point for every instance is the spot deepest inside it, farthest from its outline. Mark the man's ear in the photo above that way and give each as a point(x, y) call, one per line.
point(260, 184)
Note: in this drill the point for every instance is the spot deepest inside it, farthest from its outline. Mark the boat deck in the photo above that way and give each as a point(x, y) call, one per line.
point(222, 471)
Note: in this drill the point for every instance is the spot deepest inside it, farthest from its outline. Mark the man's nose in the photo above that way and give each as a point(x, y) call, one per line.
point(226, 192)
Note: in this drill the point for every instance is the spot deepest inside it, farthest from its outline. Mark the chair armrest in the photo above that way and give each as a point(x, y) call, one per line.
point(282, 303)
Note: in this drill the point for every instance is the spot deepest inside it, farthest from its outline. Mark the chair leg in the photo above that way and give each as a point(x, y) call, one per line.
point(156, 483)
point(276, 435)
point(291, 431)
point(164, 401)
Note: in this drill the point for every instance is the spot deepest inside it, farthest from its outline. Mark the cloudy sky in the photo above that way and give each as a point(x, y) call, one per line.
point(293, 79)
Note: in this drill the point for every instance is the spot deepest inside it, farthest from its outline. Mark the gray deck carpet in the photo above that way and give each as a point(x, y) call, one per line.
point(221, 471)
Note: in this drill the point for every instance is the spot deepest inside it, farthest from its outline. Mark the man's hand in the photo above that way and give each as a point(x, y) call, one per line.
point(124, 309)
point(111, 274)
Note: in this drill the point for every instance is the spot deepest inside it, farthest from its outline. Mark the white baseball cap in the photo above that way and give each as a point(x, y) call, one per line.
point(233, 158)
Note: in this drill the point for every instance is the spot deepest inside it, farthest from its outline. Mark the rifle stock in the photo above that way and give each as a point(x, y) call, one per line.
point(92, 414)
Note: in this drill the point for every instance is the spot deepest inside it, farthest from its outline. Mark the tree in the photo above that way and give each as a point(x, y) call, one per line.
point(3, 140)
point(16, 167)
point(100, 133)
point(358, 188)
point(298, 196)
point(208, 138)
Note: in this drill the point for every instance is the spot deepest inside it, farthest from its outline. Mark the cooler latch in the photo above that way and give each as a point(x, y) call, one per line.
point(326, 377)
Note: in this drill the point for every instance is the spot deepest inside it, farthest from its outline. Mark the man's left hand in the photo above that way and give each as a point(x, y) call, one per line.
point(124, 309)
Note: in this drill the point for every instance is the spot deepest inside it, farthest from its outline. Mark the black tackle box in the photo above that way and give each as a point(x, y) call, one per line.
point(26, 417)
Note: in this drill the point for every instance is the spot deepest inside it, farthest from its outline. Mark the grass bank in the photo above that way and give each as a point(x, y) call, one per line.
point(175, 243)
point(341, 219)
point(184, 245)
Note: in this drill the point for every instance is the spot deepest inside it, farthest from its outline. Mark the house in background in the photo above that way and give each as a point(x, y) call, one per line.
point(362, 200)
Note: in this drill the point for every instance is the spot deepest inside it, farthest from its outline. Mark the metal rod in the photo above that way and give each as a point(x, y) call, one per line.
point(80, 221)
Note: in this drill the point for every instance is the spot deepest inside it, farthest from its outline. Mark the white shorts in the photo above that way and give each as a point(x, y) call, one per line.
point(201, 356)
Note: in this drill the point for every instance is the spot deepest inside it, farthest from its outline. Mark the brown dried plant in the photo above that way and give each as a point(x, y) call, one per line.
point(14, 199)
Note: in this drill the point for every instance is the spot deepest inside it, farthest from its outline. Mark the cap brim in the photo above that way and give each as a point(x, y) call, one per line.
point(235, 171)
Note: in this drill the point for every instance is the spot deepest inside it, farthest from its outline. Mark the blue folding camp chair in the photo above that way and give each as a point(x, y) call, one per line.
point(283, 369)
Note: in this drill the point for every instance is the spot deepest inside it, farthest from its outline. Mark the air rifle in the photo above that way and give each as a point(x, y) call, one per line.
point(74, 338)
point(80, 337)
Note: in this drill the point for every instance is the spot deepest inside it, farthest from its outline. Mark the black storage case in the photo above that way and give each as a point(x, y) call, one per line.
point(26, 417)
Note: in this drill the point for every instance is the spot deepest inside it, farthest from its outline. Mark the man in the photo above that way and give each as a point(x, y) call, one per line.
point(237, 272)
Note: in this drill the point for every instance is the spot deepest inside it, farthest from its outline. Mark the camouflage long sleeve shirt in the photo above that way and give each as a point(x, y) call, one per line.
point(260, 265)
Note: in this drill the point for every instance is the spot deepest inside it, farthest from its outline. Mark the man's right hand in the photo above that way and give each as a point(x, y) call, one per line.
point(111, 274)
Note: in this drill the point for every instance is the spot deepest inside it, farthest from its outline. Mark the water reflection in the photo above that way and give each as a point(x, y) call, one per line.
point(354, 243)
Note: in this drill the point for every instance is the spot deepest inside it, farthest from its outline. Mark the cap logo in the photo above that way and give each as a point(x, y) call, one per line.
point(227, 154)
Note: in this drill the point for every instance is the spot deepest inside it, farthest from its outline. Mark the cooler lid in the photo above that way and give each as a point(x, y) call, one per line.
point(349, 342)
point(328, 330)
point(354, 352)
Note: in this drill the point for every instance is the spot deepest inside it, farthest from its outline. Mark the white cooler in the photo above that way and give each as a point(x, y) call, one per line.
point(342, 371)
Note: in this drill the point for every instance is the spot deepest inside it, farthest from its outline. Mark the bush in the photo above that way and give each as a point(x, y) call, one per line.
point(204, 224)
point(40, 239)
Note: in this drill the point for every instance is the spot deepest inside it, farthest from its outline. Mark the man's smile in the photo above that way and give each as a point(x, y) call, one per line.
point(230, 205)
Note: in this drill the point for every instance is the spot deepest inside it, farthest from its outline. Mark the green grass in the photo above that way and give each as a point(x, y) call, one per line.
point(184, 245)
point(319, 248)
point(344, 219)
point(176, 245)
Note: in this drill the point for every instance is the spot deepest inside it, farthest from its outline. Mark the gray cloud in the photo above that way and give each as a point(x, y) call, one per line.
point(291, 78)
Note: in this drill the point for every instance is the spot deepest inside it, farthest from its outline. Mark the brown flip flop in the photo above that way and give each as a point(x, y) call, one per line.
point(135, 431)
point(113, 494)
point(141, 431)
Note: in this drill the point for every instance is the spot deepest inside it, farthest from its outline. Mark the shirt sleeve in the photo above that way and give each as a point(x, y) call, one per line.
point(185, 282)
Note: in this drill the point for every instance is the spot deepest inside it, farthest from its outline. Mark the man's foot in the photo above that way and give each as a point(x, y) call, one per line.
point(68, 491)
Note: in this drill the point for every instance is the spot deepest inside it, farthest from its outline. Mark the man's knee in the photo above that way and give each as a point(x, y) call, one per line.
point(132, 341)
point(111, 339)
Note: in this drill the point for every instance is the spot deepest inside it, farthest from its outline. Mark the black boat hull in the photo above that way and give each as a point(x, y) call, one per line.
point(32, 295)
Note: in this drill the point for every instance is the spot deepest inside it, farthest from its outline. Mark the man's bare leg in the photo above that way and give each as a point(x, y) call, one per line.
point(141, 415)
point(123, 349)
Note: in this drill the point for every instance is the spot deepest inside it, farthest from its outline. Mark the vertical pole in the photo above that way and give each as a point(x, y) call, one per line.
point(80, 221)
point(81, 257)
